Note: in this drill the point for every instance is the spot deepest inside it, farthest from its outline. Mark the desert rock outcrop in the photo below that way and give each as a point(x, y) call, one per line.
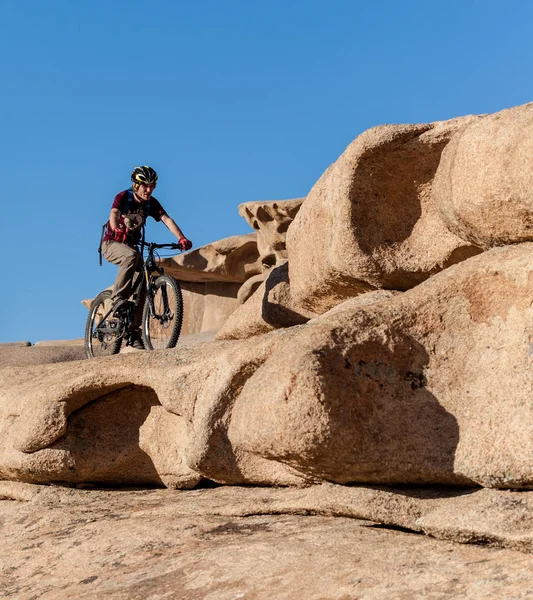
point(370, 221)
point(432, 386)
point(103, 420)
point(389, 346)
point(232, 259)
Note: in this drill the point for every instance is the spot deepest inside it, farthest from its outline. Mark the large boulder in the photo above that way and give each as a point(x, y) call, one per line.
point(143, 418)
point(432, 386)
point(271, 219)
point(370, 221)
point(484, 183)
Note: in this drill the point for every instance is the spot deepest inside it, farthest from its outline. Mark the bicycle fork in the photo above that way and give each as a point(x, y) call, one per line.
point(165, 314)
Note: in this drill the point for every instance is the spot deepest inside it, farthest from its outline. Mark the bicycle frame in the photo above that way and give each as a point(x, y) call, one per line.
point(140, 285)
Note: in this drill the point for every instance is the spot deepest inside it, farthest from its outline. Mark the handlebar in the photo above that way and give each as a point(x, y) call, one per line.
point(154, 246)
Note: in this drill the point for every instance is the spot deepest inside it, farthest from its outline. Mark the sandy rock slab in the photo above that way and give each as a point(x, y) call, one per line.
point(246, 543)
point(42, 354)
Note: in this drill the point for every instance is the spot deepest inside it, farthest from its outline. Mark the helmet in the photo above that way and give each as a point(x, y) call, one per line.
point(144, 175)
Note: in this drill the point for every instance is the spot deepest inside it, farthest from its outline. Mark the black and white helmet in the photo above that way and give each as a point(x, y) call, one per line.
point(144, 175)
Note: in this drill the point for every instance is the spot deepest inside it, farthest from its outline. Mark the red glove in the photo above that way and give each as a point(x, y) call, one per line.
point(120, 235)
point(184, 243)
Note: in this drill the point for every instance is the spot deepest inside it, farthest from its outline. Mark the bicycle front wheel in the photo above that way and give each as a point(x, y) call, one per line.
point(102, 331)
point(161, 328)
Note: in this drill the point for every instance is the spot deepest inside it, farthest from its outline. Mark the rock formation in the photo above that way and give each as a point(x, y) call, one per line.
point(269, 308)
point(271, 220)
point(370, 220)
point(431, 386)
point(232, 259)
point(390, 343)
point(375, 393)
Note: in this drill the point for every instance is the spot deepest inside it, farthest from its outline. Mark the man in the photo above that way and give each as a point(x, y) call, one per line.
point(123, 233)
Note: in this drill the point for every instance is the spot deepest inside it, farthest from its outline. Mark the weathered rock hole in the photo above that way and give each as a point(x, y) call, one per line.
point(103, 438)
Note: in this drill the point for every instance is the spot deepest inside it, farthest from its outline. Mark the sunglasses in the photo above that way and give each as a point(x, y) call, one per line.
point(146, 184)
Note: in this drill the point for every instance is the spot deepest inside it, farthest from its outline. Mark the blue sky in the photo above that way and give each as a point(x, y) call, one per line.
point(229, 100)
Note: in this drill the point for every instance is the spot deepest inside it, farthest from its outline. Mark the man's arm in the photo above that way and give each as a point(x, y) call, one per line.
point(114, 218)
point(172, 226)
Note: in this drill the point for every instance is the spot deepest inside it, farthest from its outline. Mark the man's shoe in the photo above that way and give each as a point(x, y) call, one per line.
point(136, 341)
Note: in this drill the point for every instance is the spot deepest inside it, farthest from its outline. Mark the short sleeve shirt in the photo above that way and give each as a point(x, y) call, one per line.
point(133, 216)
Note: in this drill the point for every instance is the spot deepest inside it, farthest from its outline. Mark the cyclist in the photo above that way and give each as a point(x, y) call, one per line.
point(123, 232)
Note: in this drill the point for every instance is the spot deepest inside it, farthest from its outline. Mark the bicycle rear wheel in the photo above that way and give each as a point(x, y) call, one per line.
point(162, 329)
point(102, 331)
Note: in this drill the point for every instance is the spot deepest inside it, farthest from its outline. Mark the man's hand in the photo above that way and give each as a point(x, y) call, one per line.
point(184, 243)
point(119, 235)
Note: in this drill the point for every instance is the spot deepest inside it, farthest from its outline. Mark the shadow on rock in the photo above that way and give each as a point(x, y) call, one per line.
point(352, 412)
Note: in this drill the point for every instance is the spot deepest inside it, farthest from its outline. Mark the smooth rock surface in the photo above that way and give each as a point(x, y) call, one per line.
point(207, 305)
point(370, 221)
point(262, 543)
point(75, 342)
point(248, 288)
point(357, 302)
point(31, 355)
point(484, 183)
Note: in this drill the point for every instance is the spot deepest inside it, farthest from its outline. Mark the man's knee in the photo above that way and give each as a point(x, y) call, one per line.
point(121, 254)
point(130, 257)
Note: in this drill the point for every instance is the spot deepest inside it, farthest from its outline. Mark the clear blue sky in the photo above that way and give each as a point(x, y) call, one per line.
point(229, 100)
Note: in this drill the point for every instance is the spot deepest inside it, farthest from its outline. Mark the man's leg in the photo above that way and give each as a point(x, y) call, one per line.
point(128, 261)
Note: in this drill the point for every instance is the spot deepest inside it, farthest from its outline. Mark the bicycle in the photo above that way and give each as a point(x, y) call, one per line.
point(162, 313)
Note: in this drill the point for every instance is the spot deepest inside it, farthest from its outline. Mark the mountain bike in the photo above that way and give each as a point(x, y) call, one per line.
point(162, 313)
